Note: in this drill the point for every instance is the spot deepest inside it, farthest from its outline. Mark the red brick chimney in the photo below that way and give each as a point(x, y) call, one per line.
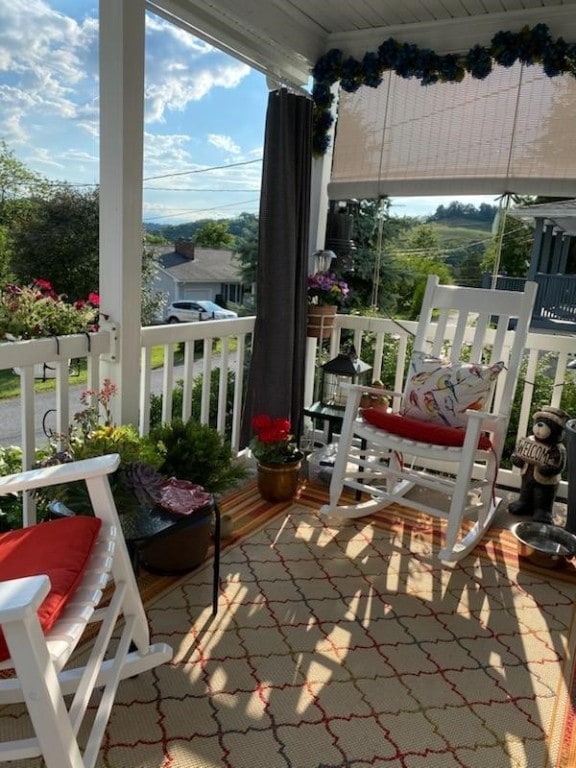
point(185, 247)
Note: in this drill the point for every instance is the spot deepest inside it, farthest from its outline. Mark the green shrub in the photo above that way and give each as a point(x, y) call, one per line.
point(197, 452)
point(10, 505)
point(178, 397)
point(542, 395)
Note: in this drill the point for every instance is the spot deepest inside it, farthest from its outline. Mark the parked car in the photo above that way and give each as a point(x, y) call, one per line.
point(186, 311)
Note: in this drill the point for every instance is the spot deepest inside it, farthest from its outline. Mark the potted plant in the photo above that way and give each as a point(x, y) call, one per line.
point(278, 459)
point(326, 293)
point(135, 483)
point(36, 311)
point(198, 453)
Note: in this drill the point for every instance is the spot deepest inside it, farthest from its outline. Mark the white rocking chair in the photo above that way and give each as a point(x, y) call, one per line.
point(440, 448)
point(38, 657)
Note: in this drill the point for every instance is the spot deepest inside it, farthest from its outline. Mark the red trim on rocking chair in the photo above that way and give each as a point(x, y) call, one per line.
point(422, 431)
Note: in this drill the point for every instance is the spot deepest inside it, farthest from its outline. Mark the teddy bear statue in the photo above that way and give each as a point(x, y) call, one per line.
point(541, 457)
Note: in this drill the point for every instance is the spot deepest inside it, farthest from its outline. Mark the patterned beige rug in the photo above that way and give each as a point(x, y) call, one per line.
point(353, 646)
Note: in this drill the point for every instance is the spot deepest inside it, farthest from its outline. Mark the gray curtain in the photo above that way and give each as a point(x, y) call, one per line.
point(275, 383)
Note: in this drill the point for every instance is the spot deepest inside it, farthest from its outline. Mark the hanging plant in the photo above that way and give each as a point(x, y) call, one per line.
point(529, 46)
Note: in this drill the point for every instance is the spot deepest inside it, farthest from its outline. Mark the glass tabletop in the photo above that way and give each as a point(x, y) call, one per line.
point(145, 523)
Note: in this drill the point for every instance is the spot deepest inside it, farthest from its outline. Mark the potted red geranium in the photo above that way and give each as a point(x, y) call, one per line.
point(278, 459)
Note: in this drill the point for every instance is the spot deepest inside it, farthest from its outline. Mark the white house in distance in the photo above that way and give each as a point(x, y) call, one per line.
point(189, 272)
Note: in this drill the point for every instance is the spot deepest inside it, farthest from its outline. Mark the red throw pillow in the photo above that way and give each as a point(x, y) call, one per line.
point(60, 549)
point(423, 431)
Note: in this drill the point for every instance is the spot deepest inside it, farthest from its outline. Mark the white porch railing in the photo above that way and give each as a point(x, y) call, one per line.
point(27, 357)
point(560, 350)
point(225, 345)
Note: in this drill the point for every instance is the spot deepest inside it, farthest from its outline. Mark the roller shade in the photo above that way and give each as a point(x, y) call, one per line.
point(512, 132)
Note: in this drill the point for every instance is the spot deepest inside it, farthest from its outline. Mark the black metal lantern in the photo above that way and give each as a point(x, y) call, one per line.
point(347, 368)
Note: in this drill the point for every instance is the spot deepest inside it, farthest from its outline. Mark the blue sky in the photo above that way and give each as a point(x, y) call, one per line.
point(203, 110)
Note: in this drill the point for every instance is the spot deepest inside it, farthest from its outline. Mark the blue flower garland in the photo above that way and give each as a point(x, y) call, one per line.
point(529, 46)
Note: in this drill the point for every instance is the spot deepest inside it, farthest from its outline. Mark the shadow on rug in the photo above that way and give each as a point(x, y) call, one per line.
point(353, 646)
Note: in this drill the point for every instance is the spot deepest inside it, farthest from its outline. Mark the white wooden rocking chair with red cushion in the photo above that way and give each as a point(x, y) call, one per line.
point(52, 581)
point(444, 443)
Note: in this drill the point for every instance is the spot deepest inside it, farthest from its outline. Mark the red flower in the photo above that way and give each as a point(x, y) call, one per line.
point(43, 285)
point(273, 441)
point(94, 299)
point(261, 422)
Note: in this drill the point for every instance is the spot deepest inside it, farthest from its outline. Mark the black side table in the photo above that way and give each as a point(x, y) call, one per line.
point(170, 544)
point(324, 413)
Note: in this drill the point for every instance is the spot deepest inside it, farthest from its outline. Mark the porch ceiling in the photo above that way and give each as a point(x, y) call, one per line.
point(284, 38)
point(561, 214)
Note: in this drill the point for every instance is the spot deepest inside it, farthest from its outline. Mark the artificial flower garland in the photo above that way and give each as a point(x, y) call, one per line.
point(529, 46)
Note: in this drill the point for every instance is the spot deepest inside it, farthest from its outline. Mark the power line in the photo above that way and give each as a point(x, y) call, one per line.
point(203, 170)
point(194, 189)
point(443, 251)
point(201, 210)
point(169, 175)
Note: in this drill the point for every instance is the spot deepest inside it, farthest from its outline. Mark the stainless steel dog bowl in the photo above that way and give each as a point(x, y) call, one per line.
point(545, 545)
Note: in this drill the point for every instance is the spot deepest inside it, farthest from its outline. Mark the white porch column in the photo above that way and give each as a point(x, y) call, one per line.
point(321, 170)
point(121, 161)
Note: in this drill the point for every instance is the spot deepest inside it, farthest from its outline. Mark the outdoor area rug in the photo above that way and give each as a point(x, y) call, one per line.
point(351, 645)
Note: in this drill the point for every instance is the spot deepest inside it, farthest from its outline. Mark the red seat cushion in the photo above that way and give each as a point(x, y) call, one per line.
point(423, 431)
point(60, 549)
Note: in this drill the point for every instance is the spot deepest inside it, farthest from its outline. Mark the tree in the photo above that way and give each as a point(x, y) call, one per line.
point(152, 302)
point(468, 271)
point(214, 235)
point(373, 256)
point(6, 274)
point(155, 238)
point(58, 241)
point(56, 238)
point(17, 183)
point(516, 250)
point(246, 250)
point(420, 258)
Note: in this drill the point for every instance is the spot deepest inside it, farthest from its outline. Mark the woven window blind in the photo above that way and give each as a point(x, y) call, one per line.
point(512, 132)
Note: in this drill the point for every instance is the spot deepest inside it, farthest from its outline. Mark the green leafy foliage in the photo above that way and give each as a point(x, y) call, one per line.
point(542, 395)
point(152, 302)
point(214, 235)
point(197, 450)
point(178, 396)
point(516, 250)
point(418, 256)
point(58, 241)
point(198, 453)
point(246, 251)
point(10, 505)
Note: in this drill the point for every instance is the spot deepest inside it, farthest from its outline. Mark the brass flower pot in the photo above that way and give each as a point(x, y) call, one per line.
point(279, 482)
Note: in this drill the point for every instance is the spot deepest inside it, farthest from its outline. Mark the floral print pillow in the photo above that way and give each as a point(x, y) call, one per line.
point(441, 391)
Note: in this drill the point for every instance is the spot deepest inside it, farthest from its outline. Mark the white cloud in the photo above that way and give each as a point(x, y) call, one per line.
point(166, 153)
point(172, 88)
point(49, 97)
point(224, 142)
point(45, 69)
point(181, 69)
